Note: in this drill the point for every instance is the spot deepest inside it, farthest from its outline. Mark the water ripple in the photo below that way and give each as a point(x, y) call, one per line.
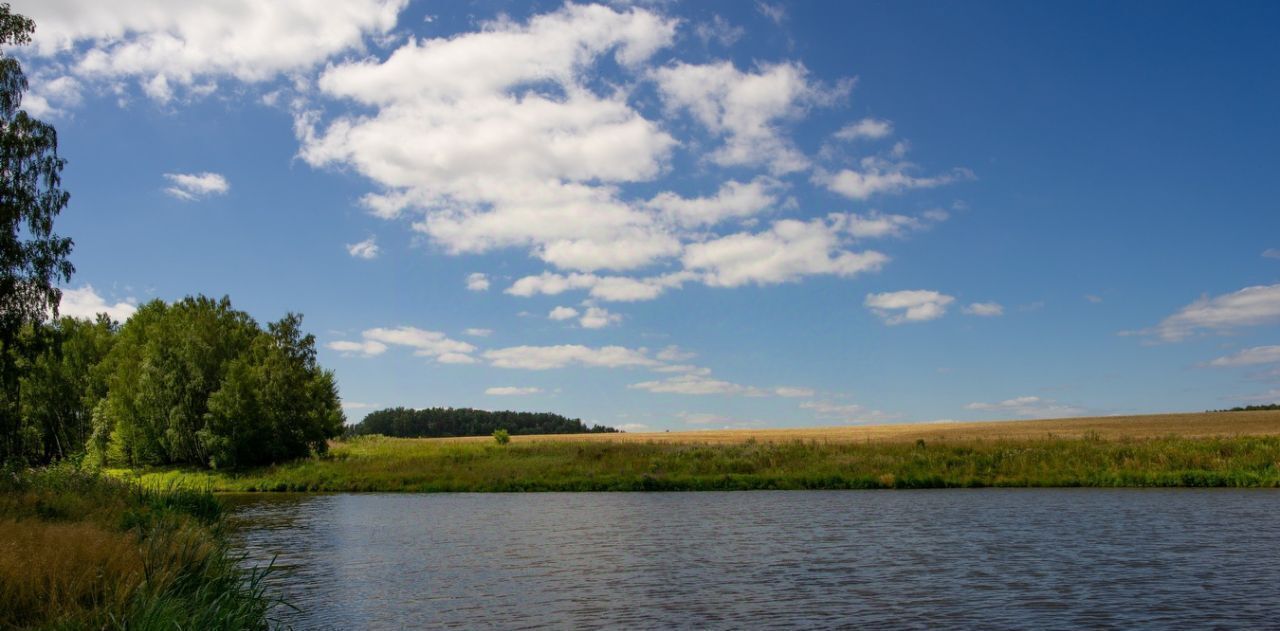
point(991, 559)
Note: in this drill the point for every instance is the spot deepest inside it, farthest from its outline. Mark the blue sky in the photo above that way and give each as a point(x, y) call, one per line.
point(682, 216)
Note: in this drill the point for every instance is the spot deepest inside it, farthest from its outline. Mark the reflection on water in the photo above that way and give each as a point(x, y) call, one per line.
point(984, 558)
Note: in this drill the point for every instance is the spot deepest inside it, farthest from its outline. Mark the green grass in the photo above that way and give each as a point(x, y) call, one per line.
point(391, 464)
point(85, 551)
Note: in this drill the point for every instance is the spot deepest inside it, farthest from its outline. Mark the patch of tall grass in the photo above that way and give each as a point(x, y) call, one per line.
point(80, 550)
point(394, 464)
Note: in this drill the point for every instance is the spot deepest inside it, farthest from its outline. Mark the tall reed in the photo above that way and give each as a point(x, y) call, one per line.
point(82, 550)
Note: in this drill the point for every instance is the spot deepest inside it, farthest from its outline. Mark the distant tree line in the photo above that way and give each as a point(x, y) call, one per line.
point(443, 422)
point(195, 382)
point(1253, 408)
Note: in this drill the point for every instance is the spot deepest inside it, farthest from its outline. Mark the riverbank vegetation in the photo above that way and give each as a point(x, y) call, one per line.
point(391, 464)
point(446, 422)
point(80, 550)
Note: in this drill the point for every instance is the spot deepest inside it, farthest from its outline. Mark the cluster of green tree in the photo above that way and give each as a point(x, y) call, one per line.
point(193, 382)
point(1253, 408)
point(443, 422)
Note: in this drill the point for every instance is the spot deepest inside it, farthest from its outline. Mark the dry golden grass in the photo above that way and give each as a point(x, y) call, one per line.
point(1195, 425)
point(82, 551)
point(68, 568)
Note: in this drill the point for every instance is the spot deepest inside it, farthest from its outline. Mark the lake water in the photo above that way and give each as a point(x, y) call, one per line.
point(1062, 558)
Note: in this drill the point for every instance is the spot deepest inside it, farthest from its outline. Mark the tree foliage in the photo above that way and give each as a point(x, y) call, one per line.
point(442, 422)
point(33, 259)
point(60, 383)
point(198, 382)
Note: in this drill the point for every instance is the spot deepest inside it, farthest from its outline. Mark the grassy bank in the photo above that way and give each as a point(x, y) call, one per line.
point(84, 551)
point(392, 464)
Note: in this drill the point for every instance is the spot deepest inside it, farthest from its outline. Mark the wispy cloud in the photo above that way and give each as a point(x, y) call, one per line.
point(1028, 407)
point(984, 309)
point(775, 12)
point(367, 249)
point(192, 187)
point(511, 391)
point(561, 356)
point(848, 412)
point(477, 281)
point(424, 343)
point(867, 128)
point(695, 384)
point(1251, 306)
point(1249, 357)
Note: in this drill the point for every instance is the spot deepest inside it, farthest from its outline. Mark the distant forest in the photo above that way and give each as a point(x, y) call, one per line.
point(1253, 408)
point(444, 422)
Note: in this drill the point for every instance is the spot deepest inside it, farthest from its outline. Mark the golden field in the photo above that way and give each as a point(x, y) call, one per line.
point(1185, 425)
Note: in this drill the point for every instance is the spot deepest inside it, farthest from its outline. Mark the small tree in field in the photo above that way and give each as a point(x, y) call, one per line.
point(502, 436)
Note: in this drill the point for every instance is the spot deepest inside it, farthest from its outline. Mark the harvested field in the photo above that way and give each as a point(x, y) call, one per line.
point(1193, 425)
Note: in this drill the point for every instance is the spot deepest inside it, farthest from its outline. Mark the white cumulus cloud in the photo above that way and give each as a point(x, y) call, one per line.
point(167, 46)
point(563, 313)
point(606, 288)
point(598, 318)
point(788, 251)
point(86, 303)
point(477, 281)
point(733, 200)
point(497, 139)
point(747, 108)
point(914, 305)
